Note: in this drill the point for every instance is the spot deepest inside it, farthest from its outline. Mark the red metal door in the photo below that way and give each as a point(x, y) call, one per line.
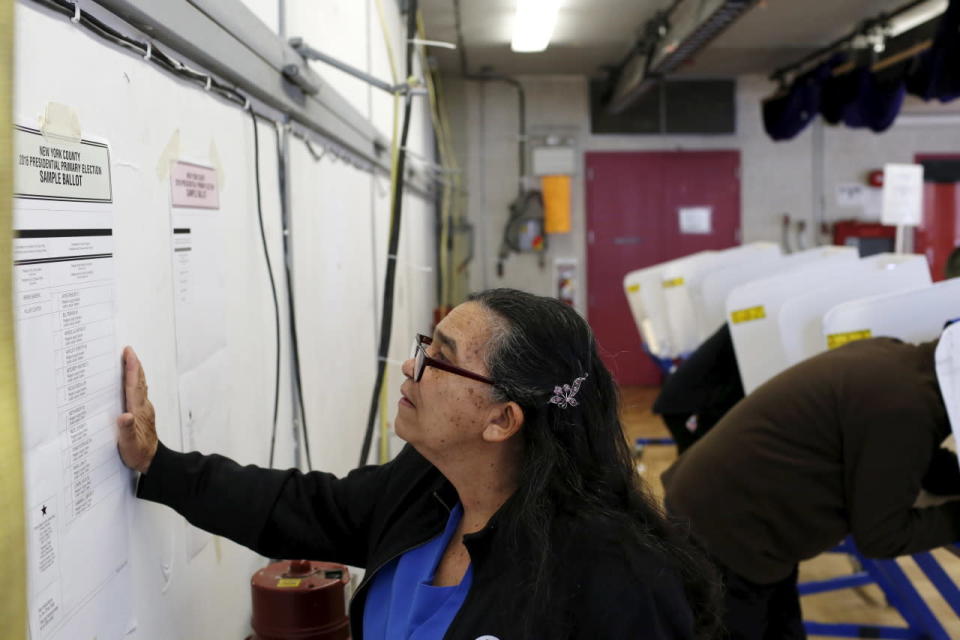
point(939, 233)
point(633, 203)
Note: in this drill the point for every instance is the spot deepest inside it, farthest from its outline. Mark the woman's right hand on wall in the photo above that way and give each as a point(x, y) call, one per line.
point(137, 432)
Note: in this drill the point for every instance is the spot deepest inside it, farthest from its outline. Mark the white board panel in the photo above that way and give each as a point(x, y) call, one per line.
point(151, 118)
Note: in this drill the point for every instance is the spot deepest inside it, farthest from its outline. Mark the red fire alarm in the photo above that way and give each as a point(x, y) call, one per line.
point(875, 179)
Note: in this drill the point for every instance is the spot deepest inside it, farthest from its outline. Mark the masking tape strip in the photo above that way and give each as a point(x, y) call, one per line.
point(13, 604)
point(748, 315)
point(673, 282)
point(835, 340)
point(170, 153)
point(217, 165)
point(60, 121)
point(633, 288)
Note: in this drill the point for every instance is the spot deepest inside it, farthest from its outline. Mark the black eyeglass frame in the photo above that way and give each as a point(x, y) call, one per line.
point(423, 361)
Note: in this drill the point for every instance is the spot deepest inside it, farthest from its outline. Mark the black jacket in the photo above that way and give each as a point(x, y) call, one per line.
point(376, 513)
point(707, 384)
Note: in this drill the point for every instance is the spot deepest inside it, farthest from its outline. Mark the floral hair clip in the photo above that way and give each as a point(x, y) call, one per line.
point(564, 396)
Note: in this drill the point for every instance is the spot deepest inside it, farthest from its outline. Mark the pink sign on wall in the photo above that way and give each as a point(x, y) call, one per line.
point(194, 186)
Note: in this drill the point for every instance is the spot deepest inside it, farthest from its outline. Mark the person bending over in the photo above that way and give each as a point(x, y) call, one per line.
point(838, 444)
point(514, 511)
point(701, 391)
point(952, 267)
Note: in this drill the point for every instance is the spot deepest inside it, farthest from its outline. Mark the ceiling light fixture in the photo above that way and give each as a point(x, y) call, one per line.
point(533, 25)
point(915, 16)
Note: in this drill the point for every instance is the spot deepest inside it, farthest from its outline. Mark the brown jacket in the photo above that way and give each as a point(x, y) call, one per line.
point(837, 444)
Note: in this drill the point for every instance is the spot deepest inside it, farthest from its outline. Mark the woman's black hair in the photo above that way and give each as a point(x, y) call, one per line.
point(576, 460)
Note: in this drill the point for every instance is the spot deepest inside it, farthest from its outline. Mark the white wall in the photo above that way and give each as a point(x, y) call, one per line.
point(267, 10)
point(777, 177)
point(340, 219)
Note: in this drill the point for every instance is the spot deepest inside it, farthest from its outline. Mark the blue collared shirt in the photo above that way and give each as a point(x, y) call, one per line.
point(403, 604)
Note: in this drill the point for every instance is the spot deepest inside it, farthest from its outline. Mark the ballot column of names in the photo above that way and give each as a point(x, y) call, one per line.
point(73, 285)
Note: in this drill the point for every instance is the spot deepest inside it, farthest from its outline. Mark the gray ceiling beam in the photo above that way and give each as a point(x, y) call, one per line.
point(229, 40)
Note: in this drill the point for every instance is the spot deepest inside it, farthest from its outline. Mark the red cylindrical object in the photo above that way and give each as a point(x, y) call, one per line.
point(300, 600)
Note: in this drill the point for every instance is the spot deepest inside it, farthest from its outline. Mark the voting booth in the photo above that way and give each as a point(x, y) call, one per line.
point(912, 316)
point(664, 298)
point(801, 318)
point(947, 359)
point(681, 280)
point(753, 311)
point(711, 290)
point(645, 290)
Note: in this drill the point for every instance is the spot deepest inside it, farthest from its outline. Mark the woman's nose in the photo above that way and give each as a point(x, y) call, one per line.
point(407, 367)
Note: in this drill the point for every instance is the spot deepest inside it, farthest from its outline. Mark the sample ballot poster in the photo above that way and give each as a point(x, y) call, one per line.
point(78, 492)
point(200, 293)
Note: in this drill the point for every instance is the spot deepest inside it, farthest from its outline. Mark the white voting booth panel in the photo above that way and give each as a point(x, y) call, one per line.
point(753, 309)
point(947, 359)
point(675, 279)
point(681, 278)
point(645, 294)
point(632, 284)
point(711, 291)
point(911, 316)
point(801, 317)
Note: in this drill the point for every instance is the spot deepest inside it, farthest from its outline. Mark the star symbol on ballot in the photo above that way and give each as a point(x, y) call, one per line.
point(43, 510)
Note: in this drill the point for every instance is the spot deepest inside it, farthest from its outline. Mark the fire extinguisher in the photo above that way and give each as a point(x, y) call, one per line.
point(300, 600)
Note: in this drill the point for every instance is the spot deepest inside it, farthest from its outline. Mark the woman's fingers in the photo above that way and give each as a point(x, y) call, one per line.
point(136, 436)
point(132, 377)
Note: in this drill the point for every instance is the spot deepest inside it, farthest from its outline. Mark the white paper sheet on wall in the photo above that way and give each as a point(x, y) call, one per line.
point(696, 220)
point(204, 417)
point(77, 491)
point(197, 264)
point(902, 194)
point(199, 303)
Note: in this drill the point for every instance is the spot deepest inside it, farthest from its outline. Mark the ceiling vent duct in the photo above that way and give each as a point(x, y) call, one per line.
point(670, 39)
point(632, 83)
point(693, 24)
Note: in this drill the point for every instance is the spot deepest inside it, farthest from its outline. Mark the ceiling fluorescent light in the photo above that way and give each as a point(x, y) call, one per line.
point(533, 25)
point(914, 17)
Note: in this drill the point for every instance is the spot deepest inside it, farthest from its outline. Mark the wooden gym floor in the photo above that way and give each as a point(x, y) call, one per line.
point(863, 605)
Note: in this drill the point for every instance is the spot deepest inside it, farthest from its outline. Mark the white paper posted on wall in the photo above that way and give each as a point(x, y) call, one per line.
point(78, 492)
point(199, 304)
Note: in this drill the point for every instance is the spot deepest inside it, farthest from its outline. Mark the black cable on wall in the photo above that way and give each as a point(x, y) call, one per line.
point(273, 286)
point(291, 307)
point(386, 323)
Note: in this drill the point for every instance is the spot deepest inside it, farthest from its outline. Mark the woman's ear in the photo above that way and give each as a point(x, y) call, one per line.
point(503, 422)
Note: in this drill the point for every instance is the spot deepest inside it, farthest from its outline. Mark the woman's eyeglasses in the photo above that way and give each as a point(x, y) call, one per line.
point(423, 361)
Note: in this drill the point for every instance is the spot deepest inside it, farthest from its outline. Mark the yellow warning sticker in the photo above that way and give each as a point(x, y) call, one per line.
point(673, 282)
point(633, 288)
point(283, 583)
point(835, 340)
point(747, 315)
